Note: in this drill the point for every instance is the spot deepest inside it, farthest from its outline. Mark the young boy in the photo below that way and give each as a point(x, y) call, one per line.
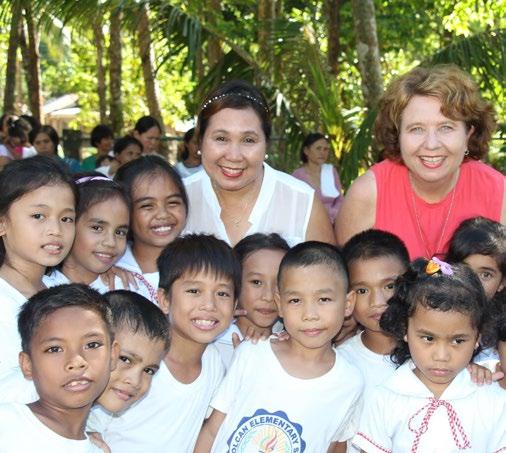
point(375, 259)
point(297, 395)
point(68, 352)
point(199, 285)
point(142, 332)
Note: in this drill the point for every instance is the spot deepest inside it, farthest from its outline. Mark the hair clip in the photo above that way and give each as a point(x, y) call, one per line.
point(242, 95)
point(92, 178)
point(436, 265)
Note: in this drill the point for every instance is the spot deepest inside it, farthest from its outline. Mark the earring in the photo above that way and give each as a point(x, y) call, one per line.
point(466, 152)
point(266, 156)
point(405, 338)
point(199, 153)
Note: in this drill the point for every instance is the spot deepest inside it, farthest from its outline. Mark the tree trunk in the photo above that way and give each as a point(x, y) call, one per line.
point(364, 18)
point(116, 107)
point(266, 12)
point(145, 52)
point(333, 8)
point(214, 51)
point(11, 66)
point(98, 39)
point(29, 43)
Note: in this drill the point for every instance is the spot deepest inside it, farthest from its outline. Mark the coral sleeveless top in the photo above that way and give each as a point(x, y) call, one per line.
point(426, 228)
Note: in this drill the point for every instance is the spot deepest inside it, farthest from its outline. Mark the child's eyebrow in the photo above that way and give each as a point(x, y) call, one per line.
point(97, 220)
point(132, 354)
point(366, 283)
point(92, 334)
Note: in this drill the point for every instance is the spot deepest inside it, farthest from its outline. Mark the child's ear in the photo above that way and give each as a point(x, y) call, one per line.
point(25, 363)
point(277, 301)
point(501, 286)
point(114, 355)
point(163, 300)
point(478, 341)
point(2, 225)
point(349, 303)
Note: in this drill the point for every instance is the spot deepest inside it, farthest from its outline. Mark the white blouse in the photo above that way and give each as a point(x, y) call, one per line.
point(283, 206)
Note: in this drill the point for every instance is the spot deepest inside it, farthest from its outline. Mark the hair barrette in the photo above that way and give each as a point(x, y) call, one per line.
point(92, 178)
point(436, 265)
point(242, 95)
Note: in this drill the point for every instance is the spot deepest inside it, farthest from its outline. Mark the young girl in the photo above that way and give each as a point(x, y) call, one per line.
point(260, 255)
point(159, 209)
point(430, 404)
point(101, 233)
point(37, 212)
point(481, 244)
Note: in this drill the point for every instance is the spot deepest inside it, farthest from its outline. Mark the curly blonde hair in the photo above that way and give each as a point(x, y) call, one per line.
point(460, 101)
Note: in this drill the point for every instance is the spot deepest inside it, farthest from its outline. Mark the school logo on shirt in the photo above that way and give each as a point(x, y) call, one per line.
point(266, 432)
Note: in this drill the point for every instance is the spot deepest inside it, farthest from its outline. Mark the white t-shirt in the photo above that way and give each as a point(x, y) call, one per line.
point(147, 282)
point(283, 206)
point(14, 388)
point(224, 344)
point(185, 171)
point(375, 368)
point(170, 416)
point(11, 301)
point(27, 152)
point(21, 431)
point(402, 410)
point(264, 404)
point(57, 277)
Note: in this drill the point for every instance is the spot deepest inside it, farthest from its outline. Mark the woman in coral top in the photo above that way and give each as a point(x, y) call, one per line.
point(434, 128)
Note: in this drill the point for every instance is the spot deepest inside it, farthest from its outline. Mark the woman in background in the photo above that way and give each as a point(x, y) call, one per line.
point(320, 175)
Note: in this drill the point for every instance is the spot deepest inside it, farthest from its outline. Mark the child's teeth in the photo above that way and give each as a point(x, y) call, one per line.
point(205, 322)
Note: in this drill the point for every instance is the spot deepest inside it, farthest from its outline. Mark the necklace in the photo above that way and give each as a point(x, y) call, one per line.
point(422, 236)
point(236, 219)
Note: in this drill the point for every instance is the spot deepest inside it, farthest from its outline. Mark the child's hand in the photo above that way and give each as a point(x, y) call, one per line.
point(96, 438)
point(481, 375)
point(127, 279)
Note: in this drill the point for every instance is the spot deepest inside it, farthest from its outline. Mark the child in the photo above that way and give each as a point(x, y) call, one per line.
point(481, 244)
point(199, 284)
point(260, 255)
point(430, 404)
point(159, 209)
point(103, 215)
point(297, 395)
point(101, 138)
point(125, 149)
point(37, 211)
point(375, 259)
point(68, 352)
point(142, 332)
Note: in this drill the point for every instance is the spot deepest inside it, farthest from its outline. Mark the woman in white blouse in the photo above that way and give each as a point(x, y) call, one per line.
point(238, 194)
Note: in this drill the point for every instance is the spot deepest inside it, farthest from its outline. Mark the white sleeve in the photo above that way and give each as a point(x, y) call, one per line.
point(234, 379)
point(4, 151)
point(497, 442)
point(373, 435)
point(14, 388)
point(352, 418)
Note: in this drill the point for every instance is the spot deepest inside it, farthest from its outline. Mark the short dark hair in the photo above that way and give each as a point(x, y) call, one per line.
point(461, 291)
point(19, 128)
point(94, 188)
point(313, 253)
point(20, 177)
point(194, 253)
point(145, 123)
point(149, 165)
point(308, 141)
point(500, 321)
point(45, 302)
point(136, 313)
point(259, 241)
point(50, 131)
point(99, 133)
point(234, 94)
point(479, 236)
point(373, 243)
point(123, 142)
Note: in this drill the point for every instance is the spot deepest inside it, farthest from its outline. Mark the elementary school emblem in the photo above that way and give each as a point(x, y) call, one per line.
point(266, 432)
